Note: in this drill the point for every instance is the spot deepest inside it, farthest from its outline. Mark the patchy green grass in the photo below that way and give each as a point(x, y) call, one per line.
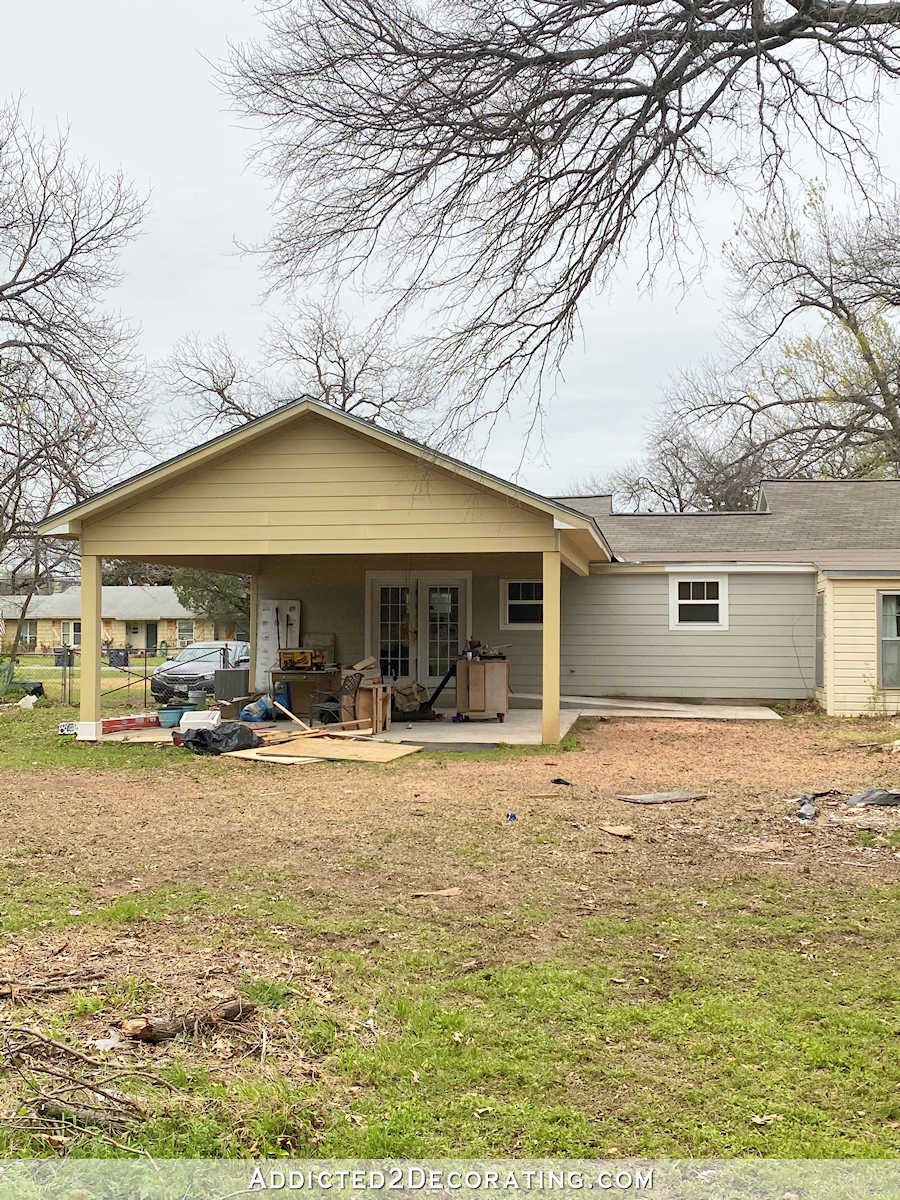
point(29, 740)
point(665, 1026)
point(681, 1010)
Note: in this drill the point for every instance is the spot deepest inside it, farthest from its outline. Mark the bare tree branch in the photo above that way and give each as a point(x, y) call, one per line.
point(318, 355)
point(823, 404)
point(70, 390)
point(489, 161)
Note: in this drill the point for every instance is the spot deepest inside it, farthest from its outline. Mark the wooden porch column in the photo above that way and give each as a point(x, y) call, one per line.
point(254, 617)
point(550, 649)
point(89, 726)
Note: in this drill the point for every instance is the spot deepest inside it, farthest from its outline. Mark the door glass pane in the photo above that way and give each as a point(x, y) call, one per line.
point(393, 631)
point(443, 628)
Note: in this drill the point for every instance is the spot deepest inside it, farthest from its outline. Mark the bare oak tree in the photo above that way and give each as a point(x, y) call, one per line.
point(686, 468)
point(827, 399)
point(69, 388)
point(316, 353)
point(823, 403)
point(490, 160)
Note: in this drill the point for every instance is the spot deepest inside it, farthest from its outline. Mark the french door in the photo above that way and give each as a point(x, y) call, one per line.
point(417, 623)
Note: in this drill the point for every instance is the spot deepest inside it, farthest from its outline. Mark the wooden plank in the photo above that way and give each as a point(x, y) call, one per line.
point(282, 760)
point(344, 750)
point(287, 712)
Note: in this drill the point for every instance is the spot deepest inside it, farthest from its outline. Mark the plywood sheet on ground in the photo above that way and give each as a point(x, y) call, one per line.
point(282, 760)
point(340, 749)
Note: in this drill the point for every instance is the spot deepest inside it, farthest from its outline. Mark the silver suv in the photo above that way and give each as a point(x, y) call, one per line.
point(193, 669)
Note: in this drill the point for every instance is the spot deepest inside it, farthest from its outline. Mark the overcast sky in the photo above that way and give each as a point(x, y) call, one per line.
point(133, 84)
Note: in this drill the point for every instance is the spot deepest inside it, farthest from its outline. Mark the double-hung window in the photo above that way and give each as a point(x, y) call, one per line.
point(889, 641)
point(698, 602)
point(71, 633)
point(521, 603)
point(185, 632)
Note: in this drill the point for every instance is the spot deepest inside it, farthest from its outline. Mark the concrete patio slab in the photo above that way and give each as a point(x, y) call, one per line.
point(522, 727)
point(620, 707)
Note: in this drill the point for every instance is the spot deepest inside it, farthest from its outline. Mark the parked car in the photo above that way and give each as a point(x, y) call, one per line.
point(193, 669)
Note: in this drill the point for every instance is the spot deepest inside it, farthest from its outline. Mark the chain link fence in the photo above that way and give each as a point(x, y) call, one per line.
point(124, 674)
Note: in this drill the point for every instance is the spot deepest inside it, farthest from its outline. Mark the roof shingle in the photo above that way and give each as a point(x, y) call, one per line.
point(833, 523)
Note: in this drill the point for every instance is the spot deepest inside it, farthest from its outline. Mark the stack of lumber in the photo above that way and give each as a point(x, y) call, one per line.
point(348, 741)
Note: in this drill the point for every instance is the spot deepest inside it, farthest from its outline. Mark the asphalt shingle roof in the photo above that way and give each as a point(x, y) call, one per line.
point(835, 524)
point(135, 602)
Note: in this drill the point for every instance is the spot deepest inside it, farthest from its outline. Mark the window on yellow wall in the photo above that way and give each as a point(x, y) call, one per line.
point(890, 640)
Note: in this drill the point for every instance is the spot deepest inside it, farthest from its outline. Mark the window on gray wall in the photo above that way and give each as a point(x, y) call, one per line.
point(521, 603)
point(698, 602)
point(820, 639)
point(890, 640)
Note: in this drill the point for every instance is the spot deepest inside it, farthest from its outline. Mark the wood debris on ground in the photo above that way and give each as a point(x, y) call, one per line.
point(619, 831)
point(63, 981)
point(164, 1029)
point(344, 741)
point(662, 797)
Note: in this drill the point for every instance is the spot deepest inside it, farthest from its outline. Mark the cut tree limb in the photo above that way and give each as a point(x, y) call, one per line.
point(83, 1114)
point(163, 1029)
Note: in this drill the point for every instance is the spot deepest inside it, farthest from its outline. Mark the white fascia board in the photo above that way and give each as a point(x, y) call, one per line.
point(743, 568)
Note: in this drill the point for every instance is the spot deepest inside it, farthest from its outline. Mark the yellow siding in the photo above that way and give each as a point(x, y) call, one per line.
point(852, 647)
point(314, 487)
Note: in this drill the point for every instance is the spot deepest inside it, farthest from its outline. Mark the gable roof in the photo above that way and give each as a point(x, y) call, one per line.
point(65, 522)
point(826, 522)
point(134, 602)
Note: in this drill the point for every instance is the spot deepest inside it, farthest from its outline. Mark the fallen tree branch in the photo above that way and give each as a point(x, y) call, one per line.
point(83, 1114)
point(164, 1029)
point(15, 989)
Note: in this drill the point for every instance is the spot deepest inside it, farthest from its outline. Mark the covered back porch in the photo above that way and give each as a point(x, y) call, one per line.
point(399, 551)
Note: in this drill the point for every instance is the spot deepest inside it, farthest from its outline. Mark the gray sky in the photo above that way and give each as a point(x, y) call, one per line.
point(133, 84)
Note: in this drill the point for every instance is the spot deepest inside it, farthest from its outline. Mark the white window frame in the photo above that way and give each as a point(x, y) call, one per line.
point(183, 621)
point(505, 622)
point(67, 632)
point(677, 626)
point(882, 686)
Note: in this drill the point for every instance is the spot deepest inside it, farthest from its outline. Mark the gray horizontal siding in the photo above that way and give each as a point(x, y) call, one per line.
point(616, 640)
point(615, 633)
point(523, 645)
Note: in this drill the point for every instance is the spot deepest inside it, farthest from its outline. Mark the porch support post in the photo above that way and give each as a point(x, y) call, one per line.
point(254, 617)
point(89, 726)
point(550, 649)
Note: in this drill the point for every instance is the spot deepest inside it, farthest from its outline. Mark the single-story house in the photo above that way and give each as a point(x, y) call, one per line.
point(404, 553)
point(142, 617)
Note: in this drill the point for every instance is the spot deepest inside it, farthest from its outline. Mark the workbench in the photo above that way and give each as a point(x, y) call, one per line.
point(301, 683)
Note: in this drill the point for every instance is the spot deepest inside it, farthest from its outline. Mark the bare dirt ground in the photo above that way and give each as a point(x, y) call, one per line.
point(424, 822)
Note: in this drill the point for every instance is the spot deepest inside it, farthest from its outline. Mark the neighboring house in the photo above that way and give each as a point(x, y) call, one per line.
point(142, 617)
point(404, 553)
